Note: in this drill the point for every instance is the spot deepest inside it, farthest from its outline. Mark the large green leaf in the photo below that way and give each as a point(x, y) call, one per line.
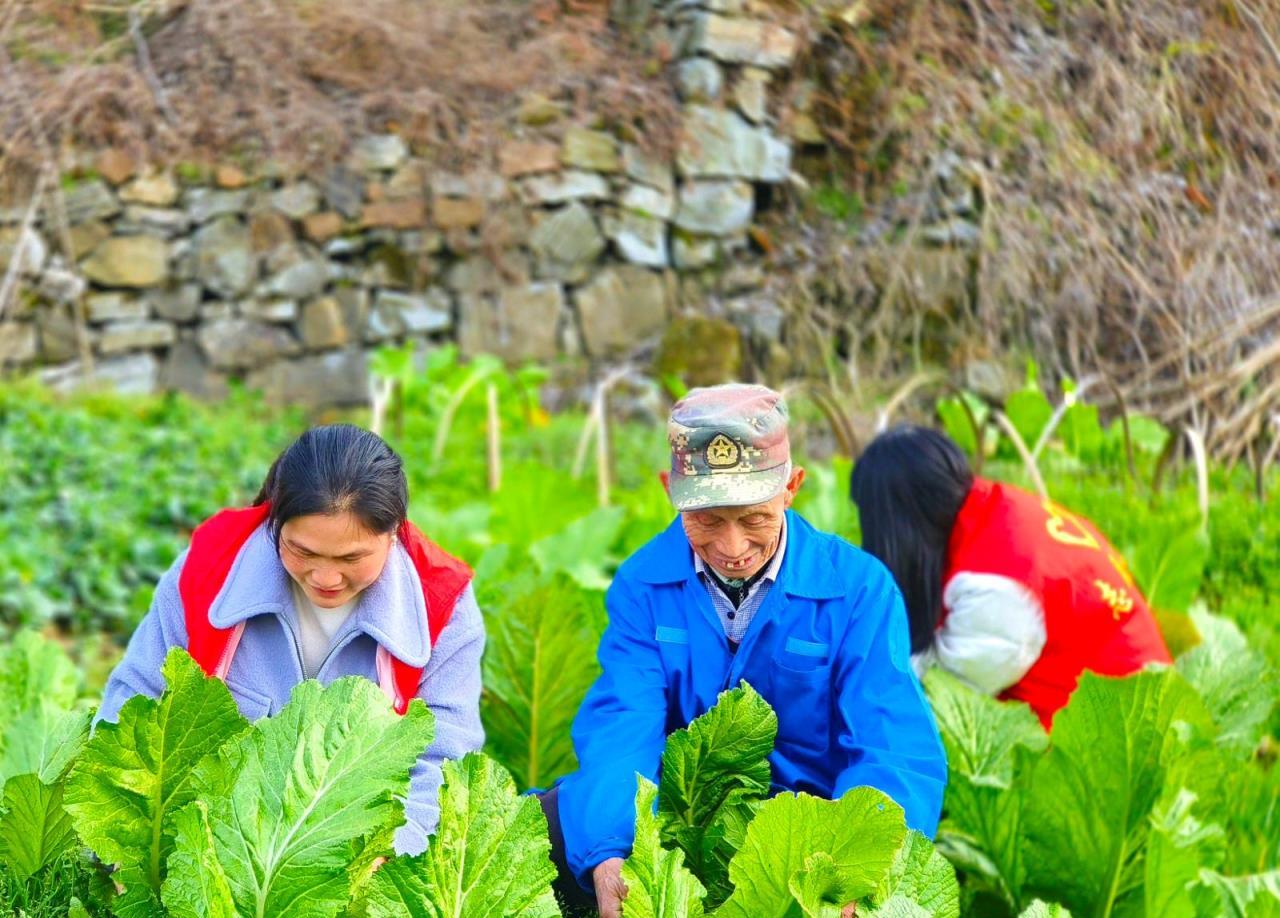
point(35, 830)
point(538, 666)
point(715, 773)
point(206, 893)
point(1234, 681)
point(35, 671)
point(1169, 565)
point(1179, 845)
point(1041, 909)
point(44, 741)
point(991, 748)
point(860, 834)
point(582, 548)
point(309, 785)
point(1254, 896)
point(1088, 820)
point(921, 876)
point(819, 888)
point(658, 883)
point(135, 774)
point(488, 858)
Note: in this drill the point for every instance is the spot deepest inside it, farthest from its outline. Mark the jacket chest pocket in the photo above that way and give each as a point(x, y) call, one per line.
point(801, 680)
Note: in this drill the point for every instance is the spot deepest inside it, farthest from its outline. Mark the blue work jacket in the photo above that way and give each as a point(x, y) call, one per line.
point(828, 648)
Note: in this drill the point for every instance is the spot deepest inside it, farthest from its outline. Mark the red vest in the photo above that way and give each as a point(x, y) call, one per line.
point(1095, 616)
point(217, 541)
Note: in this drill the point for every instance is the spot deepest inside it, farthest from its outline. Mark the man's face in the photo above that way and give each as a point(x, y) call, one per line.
point(737, 542)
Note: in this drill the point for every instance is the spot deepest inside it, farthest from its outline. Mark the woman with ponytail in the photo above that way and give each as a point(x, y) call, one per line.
point(1014, 594)
point(324, 577)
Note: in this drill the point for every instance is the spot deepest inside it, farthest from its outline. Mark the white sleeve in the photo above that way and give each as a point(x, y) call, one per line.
point(993, 633)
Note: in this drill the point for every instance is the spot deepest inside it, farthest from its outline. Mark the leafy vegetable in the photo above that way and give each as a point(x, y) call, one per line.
point(859, 835)
point(35, 830)
point(300, 790)
point(1233, 679)
point(658, 883)
point(715, 773)
point(135, 774)
point(488, 858)
point(538, 666)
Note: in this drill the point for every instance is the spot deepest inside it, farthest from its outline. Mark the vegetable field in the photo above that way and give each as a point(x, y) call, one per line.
point(1158, 795)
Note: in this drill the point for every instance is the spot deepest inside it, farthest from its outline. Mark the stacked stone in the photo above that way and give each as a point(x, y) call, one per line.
point(572, 243)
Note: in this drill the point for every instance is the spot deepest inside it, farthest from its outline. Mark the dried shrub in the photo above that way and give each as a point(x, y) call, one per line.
point(1124, 155)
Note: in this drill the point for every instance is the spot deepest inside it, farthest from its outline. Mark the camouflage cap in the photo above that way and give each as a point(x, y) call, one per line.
point(729, 447)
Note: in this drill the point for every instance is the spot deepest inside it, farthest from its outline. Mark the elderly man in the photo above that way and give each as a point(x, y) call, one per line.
point(737, 588)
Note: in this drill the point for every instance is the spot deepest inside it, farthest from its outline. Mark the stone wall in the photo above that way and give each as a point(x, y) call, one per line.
point(566, 242)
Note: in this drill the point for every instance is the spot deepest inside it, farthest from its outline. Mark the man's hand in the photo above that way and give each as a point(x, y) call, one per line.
point(610, 890)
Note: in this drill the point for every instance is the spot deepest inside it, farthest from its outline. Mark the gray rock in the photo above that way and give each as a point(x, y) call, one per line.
point(694, 251)
point(649, 202)
point(479, 273)
point(114, 307)
point(153, 190)
point(90, 200)
point(178, 304)
point(739, 40)
point(344, 246)
point(339, 378)
point(17, 343)
point(27, 242)
point(699, 80)
point(566, 243)
point(378, 153)
point(297, 200)
point(954, 232)
point(216, 310)
point(741, 277)
point(719, 143)
point(482, 184)
point(300, 281)
point(186, 370)
point(205, 204)
point(135, 374)
point(621, 306)
point(119, 337)
point(240, 344)
point(519, 323)
point(57, 285)
point(323, 325)
point(639, 239)
point(559, 187)
point(647, 168)
point(162, 221)
point(715, 208)
point(759, 317)
point(269, 310)
point(414, 314)
point(128, 261)
point(354, 302)
point(225, 261)
point(59, 338)
point(594, 151)
point(751, 94)
point(344, 191)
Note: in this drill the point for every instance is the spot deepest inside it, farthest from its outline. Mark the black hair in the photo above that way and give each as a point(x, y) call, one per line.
point(909, 485)
point(338, 468)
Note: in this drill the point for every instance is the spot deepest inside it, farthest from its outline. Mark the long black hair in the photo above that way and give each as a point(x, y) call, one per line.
point(338, 468)
point(909, 485)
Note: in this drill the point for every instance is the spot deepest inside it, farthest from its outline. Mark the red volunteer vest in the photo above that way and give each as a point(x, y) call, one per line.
point(1095, 616)
point(217, 541)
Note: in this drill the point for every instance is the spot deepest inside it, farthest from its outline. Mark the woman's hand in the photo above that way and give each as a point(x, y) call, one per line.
point(610, 890)
point(849, 911)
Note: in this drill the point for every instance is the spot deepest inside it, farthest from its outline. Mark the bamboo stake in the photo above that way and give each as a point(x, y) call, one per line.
point(1020, 445)
point(494, 440)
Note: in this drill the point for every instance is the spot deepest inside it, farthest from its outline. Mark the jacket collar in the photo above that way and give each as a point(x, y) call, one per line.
point(806, 569)
point(391, 610)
